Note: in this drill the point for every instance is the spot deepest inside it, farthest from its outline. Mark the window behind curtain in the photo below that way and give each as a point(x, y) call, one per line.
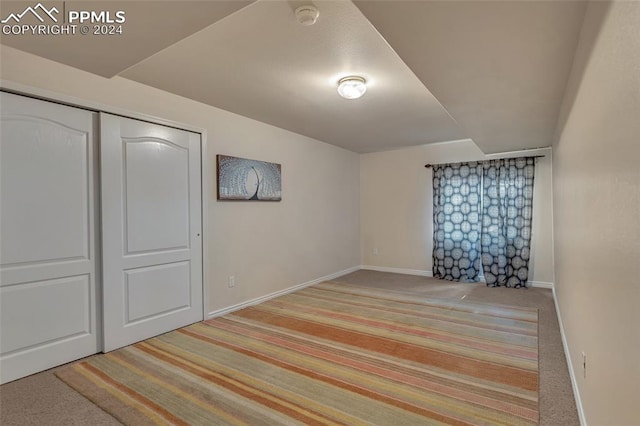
point(507, 217)
point(482, 214)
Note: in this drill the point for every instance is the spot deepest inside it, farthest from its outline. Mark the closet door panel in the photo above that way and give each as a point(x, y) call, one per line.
point(48, 297)
point(151, 226)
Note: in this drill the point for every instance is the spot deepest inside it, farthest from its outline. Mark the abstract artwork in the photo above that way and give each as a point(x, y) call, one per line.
point(241, 179)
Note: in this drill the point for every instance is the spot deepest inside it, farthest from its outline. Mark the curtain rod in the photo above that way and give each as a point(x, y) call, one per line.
point(428, 166)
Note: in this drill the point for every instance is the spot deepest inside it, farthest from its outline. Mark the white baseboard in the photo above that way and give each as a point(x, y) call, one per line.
point(397, 270)
point(425, 273)
point(540, 284)
point(261, 299)
point(567, 354)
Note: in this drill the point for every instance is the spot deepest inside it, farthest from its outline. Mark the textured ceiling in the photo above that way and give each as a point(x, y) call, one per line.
point(491, 71)
point(262, 64)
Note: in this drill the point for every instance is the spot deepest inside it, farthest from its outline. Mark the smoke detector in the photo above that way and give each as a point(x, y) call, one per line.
point(307, 15)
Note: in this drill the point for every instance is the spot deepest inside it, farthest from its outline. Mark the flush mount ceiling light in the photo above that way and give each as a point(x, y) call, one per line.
point(307, 15)
point(352, 87)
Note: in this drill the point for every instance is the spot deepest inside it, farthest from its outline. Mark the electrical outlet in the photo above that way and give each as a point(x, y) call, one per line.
point(232, 281)
point(375, 251)
point(584, 365)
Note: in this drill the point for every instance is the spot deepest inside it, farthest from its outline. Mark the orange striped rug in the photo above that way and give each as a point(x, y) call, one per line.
point(328, 354)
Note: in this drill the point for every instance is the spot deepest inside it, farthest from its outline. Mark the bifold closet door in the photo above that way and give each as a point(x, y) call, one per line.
point(48, 252)
point(151, 229)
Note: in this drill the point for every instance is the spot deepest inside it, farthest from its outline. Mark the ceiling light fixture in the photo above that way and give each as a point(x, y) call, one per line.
point(352, 87)
point(307, 15)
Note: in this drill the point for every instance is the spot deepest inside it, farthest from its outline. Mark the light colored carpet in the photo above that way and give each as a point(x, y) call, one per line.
point(331, 354)
point(42, 399)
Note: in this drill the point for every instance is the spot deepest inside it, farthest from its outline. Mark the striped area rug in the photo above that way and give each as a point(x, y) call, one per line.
point(328, 354)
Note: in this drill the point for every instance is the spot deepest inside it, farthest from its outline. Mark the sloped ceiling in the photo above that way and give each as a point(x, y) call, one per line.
point(499, 67)
point(492, 71)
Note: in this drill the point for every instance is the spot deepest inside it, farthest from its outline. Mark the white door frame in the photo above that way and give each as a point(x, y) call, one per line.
point(208, 172)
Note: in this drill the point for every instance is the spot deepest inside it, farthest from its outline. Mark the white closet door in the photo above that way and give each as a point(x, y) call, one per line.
point(47, 239)
point(151, 226)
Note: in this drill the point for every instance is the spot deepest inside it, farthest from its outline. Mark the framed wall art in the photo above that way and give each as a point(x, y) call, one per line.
point(241, 179)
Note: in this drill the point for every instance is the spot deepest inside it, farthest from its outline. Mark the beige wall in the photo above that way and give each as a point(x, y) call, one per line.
point(396, 207)
point(596, 175)
point(268, 247)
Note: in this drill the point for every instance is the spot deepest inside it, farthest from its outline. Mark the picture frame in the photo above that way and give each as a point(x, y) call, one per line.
point(243, 179)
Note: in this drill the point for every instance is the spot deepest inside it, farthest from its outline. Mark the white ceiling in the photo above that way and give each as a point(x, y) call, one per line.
point(260, 63)
point(499, 67)
point(494, 72)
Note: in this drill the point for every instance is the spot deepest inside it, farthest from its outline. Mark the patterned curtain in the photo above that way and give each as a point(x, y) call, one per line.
point(456, 221)
point(506, 224)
